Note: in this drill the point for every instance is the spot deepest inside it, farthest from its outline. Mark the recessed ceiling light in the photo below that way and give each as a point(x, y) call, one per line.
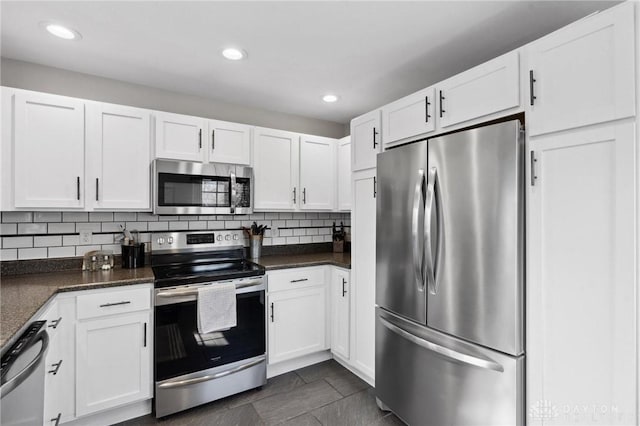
point(330, 98)
point(234, 54)
point(61, 31)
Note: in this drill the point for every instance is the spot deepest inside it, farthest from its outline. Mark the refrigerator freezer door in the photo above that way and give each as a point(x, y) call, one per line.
point(428, 378)
point(400, 279)
point(477, 236)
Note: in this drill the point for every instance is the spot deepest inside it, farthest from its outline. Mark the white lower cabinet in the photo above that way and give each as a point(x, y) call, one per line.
point(98, 363)
point(581, 290)
point(340, 311)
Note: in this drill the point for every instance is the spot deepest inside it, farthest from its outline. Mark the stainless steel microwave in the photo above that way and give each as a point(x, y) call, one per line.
point(185, 187)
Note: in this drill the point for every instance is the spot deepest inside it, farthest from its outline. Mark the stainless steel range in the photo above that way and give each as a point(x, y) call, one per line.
point(192, 368)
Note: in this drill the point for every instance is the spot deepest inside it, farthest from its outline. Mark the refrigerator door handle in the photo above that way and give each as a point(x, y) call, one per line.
point(430, 270)
point(418, 253)
point(486, 364)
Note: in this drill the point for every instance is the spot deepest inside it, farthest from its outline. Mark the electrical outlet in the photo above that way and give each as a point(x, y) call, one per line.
point(86, 236)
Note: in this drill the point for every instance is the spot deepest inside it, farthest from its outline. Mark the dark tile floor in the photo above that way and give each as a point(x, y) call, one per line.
point(321, 394)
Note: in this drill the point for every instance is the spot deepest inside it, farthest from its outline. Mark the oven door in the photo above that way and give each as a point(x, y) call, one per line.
point(183, 187)
point(181, 350)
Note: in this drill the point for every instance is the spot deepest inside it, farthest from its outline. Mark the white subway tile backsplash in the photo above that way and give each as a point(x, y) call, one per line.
point(17, 217)
point(32, 228)
point(124, 217)
point(85, 226)
point(178, 226)
point(113, 226)
point(47, 217)
point(158, 226)
point(75, 217)
point(62, 251)
point(81, 250)
point(61, 228)
point(17, 242)
point(8, 254)
point(32, 253)
point(48, 241)
point(8, 229)
point(100, 217)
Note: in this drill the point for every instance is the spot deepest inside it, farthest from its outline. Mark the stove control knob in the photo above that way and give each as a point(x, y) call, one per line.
point(170, 240)
point(235, 237)
point(219, 238)
point(161, 241)
point(227, 237)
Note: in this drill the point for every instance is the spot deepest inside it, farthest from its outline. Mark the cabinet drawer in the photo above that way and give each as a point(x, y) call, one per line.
point(113, 302)
point(289, 279)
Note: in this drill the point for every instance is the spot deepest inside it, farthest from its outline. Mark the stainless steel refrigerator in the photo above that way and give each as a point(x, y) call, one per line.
point(450, 279)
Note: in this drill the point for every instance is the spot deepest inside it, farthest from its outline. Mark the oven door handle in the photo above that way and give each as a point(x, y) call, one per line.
point(196, 380)
point(194, 292)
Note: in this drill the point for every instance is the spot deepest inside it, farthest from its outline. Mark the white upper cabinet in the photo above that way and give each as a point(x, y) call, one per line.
point(49, 151)
point(583, 73)
point(317, 172)
point(365, 140)
point(276, 155)
point(179, 137)
point(483, 90)
point(344, 174)
point(581, 284)
point(229, 142)
point(119, 142)
point(410, 116)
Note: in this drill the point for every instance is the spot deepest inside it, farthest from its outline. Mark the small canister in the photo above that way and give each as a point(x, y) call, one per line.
point(133, 256)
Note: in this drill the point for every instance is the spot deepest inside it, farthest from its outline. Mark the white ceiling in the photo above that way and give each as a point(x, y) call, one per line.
point(369, 53)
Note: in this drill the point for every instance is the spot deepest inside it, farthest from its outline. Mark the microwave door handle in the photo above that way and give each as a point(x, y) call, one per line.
point(234, 193)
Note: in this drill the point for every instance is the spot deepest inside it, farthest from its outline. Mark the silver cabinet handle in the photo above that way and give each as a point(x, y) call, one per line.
point(445, 352)
point(57, 367)
point(194, 292)
point(97, 189)
point(17, 380)
point(418, 253)
point(300, 280)
point(213, 140)
point(304, 195)
point(196, 380)
point(294, 195)
point(124, 302)
point(78, 187)
point(344, 290)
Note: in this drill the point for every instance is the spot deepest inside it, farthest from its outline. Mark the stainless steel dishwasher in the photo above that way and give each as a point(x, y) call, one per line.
point(22, 371)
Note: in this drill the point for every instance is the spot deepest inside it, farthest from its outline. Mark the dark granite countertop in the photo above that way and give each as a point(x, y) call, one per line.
point(282, 261)
point(21, 296)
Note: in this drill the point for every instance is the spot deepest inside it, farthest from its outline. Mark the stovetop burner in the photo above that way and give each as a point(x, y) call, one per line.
point(172, 275)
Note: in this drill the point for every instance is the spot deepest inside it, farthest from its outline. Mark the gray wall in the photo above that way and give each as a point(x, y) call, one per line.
point(30, 76)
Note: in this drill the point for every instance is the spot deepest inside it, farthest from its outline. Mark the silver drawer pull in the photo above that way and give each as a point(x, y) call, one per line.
point(206, 378)
point(57, 367)
point(300, 280)
point(126, 302)
point(55, 323)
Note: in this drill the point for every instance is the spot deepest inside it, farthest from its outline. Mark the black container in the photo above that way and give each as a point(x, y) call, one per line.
point(133, 256)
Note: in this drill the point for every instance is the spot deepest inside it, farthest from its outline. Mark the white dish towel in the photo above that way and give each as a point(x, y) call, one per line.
point(216, 307)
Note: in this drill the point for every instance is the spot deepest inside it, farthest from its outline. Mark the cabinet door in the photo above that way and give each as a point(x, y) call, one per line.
point(581, 313)
point(486, 89)
point(344, 174)
point(584, 73)
point(410, 116)
point(119, 155)
point(363, 226)
point(297, 323)
point(365, 140)
point(113, 356)
point(49, 151)
point(229, 142)
point(276, 169)
point(340, 296)
point(179, 137)
point(317, 172)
